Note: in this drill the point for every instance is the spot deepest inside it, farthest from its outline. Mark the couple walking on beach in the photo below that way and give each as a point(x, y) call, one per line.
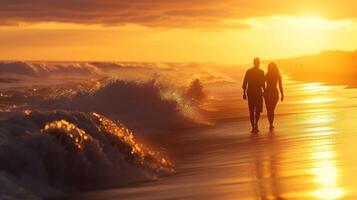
point(256, 86)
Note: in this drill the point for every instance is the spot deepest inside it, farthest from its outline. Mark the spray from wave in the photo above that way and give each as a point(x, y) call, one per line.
point(146, 106)
point(44, 153)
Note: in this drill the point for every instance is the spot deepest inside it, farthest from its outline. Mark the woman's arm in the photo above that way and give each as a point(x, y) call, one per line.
point(244, 87)
point(281, 89)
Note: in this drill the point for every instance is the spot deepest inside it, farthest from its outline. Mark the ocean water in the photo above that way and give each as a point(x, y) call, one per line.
point(151, 131)
point(72, 127)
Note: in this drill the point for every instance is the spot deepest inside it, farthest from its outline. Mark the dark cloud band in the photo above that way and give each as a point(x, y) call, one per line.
point(163, 13)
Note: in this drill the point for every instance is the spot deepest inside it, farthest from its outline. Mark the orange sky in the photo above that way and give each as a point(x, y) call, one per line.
point(225, 31)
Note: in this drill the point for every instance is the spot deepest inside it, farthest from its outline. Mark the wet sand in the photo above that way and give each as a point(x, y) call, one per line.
point(310, 154)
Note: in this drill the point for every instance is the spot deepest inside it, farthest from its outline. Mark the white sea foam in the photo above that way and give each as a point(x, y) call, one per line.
point(43, 153)
point(46, 69)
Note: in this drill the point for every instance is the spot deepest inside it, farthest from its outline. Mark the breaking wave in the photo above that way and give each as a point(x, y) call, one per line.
point(142, 106)
point(47, 153)
point(47, 69)
point(146, 106)
point(195, 92)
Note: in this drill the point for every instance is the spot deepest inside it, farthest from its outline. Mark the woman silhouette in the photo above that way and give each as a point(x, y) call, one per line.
point(271, 94)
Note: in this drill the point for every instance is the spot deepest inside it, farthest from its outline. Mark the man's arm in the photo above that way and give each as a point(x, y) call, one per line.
point(263, 82)
point(245, 83)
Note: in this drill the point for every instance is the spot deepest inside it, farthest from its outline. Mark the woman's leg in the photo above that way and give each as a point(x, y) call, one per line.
point(269, 104)
point(270, 110)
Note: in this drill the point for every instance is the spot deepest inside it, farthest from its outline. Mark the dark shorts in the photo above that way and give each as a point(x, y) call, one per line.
point(255, 103)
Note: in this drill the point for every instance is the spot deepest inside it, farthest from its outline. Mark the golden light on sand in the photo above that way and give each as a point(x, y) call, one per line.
point(320, 119)
point(325, 169)
point(326, 176)
point(319, 100)
point(325, 172)
point(315, 87)
point(329, 193)
point(320, 129)
point(318, 94)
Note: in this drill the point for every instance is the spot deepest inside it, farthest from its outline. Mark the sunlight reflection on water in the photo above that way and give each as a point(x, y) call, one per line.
point(325, 169)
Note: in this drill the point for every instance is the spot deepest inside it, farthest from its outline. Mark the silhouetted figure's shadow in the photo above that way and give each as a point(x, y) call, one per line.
point(266, 168)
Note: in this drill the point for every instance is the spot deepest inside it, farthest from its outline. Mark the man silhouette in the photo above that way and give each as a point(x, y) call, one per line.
point(253, 87)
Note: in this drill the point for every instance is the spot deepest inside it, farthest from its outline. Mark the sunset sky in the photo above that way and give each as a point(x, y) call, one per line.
point(224, 31)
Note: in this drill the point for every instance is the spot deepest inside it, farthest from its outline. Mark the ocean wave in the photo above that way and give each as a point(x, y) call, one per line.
point(47, 69)
point(195, 92)
point(45, 153)
point(144, 106)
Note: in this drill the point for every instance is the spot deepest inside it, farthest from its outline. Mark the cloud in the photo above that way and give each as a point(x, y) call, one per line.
point(164, 13)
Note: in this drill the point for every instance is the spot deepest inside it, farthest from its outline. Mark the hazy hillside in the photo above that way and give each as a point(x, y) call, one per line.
point(334, 67)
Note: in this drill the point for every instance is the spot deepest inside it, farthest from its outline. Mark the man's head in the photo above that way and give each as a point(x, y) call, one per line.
point(256, 62)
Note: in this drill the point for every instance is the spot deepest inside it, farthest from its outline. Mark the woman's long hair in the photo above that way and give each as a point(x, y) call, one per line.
point(273, 71)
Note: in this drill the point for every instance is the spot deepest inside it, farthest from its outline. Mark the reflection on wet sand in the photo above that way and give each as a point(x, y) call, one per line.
point(325, 168)
point(317, 146)
point(266, 172)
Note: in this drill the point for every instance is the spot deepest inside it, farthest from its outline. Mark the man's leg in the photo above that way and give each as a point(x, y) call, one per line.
point(258, 110)
point(251, 115)
point(251, 112)
point(257, 116)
